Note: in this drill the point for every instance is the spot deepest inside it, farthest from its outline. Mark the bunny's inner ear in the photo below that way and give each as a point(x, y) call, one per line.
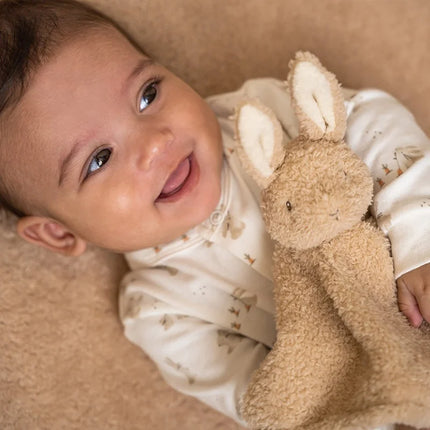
point(313, 95)
point(317, 98)
point(260, 141)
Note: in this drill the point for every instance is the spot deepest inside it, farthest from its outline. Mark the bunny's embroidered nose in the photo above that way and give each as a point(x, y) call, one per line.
point(336, 215)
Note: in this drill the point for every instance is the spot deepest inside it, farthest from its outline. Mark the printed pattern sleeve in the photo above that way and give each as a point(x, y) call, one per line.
point(195, 356)
point(386, 136)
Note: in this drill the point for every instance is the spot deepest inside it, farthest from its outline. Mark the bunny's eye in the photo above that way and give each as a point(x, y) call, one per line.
point(289, 206)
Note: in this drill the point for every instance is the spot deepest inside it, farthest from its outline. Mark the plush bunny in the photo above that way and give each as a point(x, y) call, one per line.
point(344, 357)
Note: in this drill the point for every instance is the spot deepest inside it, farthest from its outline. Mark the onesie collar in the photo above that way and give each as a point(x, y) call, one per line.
point(195, 236)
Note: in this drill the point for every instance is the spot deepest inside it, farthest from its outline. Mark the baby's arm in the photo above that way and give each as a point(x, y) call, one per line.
point(385, 135)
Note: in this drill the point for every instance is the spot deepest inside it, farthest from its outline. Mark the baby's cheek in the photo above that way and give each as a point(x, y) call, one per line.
point(121, 204)
point(127, 211)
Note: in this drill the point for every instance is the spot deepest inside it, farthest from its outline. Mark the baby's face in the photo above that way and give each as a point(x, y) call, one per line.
point(116, 147)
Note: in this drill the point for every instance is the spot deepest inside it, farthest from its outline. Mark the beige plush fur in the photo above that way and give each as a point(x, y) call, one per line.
point(344, 357)
point(64, 363)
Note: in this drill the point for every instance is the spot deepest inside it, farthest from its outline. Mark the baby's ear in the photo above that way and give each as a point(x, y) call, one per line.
point(259, 138)
point(50, 234)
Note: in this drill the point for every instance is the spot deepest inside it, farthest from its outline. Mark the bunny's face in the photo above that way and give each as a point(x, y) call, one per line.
point(320, 190)
point(314, 187)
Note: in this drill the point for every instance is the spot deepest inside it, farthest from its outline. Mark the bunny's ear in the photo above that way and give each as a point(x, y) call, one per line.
point(259, 137)
point(317, 99)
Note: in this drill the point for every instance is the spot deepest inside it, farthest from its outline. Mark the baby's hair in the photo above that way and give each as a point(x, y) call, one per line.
point(31, 31)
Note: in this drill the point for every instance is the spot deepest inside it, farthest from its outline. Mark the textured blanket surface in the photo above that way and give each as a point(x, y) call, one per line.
point(64, 362)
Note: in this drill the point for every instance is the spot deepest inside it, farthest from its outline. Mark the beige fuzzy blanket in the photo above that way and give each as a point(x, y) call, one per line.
point(64, 363)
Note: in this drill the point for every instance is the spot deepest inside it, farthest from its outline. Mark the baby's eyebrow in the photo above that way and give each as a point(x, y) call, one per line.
point(137, 70)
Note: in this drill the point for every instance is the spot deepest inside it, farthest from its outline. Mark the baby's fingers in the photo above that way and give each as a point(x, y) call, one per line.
point(408, 304)
point(423, 299)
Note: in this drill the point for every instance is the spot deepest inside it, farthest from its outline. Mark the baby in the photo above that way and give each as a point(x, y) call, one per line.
point(101, 144)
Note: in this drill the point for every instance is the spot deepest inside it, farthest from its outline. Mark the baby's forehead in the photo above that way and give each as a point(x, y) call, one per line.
point(103, 51)
point(81, 62)
point(77, 66)
point(84, 75)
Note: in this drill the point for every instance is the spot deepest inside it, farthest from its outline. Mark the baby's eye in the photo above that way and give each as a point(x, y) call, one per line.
point(148, 96)
point(98, 160)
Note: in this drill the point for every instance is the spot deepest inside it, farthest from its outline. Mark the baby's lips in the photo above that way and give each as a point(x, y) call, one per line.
point(177, 178)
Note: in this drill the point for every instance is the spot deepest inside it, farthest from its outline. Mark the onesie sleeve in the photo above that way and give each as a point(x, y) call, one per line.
point(195, 356)
point(388, 139)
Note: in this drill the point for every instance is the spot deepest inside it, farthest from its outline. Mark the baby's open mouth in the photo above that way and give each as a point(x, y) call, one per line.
point(177, 179)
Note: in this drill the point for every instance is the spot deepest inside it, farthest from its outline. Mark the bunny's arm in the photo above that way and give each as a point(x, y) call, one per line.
point(388, 139)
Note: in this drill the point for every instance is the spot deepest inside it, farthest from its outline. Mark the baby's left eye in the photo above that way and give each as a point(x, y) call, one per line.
point(98, 160)
point(148, 96)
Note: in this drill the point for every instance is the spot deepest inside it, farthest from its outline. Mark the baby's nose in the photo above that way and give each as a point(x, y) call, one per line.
point(153, 146)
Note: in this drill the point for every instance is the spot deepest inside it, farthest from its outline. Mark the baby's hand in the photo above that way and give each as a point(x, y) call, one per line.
point(413, 295)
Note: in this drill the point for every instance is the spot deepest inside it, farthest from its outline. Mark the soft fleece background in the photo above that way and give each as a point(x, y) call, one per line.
point(64, 363)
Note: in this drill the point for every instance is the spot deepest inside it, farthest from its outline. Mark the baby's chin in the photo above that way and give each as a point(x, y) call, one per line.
point(197, 214)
